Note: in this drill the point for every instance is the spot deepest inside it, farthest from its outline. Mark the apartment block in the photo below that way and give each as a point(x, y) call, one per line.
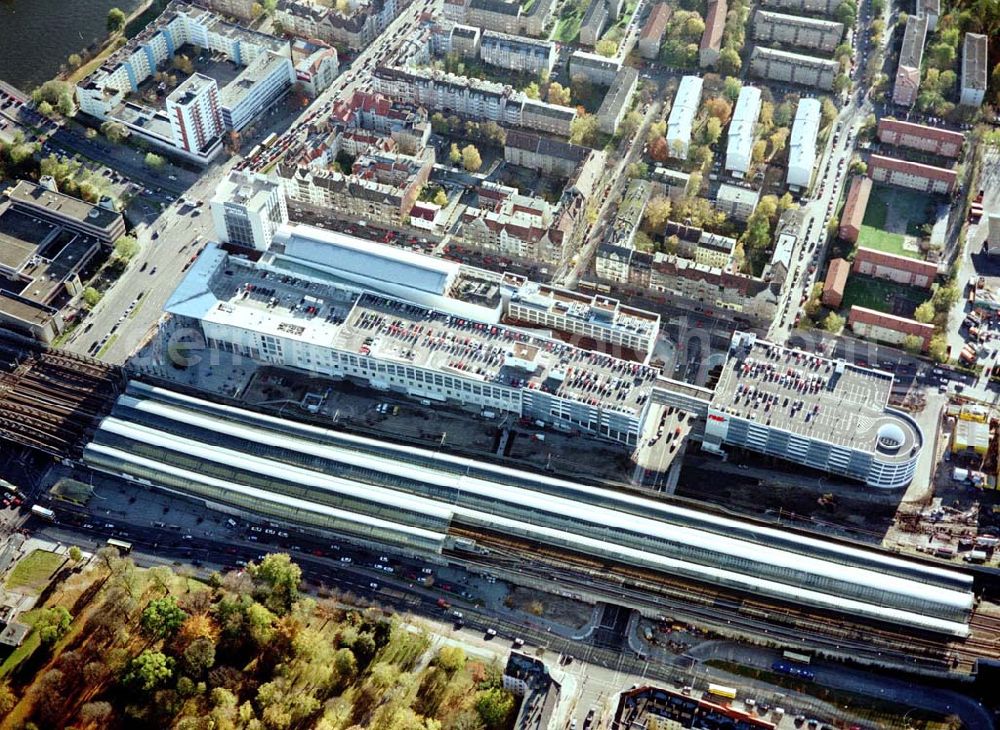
point(929, 9)
point(711, 39)
point(195, 114)
point(256, 89)
point(742, 129)
point(793, 68)
point(819, 7)
point(818, 34)
point(316, 65)
point(106, 94)
point(974, 69)
point(854, 209)
point(934, 140)
point(544, 117)
point(595, 20)
point(802, 143)
point(736, 202)
point(682, 114)
point(911, 175)
point(899, 269)
point(595, 68)
point(517, 53)
point(618, 100)
point(651, 35)
point(907, 84)
point(504, 222)
point(549, 156)
point(836, 280)
point(382, 186)
point(357, 29)
point(499, 15)
point(888, 327)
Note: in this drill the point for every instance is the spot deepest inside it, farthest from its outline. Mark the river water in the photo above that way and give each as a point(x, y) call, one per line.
point(37, 36)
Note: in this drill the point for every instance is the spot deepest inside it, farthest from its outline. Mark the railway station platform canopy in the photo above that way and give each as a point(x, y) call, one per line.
point(419, 500)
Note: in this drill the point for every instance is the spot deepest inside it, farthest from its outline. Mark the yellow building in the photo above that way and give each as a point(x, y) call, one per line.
point(969, 434)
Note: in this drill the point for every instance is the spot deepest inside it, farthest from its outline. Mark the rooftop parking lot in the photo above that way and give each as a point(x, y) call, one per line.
point(810, 396)
point(494, 354)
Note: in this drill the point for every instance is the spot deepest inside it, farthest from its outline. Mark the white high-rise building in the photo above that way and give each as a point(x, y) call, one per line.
point(195, 113)
point(247, 209)
point(802, 143)
point(741, 131)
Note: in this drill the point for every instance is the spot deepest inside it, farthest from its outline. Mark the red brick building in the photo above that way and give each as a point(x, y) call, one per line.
point(888, 327)
point(836, 280)
point(900, 269)
point(942, 142)
point(911, 175)
point(854, 209)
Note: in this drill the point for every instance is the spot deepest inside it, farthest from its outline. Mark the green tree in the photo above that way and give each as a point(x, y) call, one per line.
point(494, 706)
point(280, 579)
point(91, 297)
point(126, 247)
point(199, 656)
point(532, 91)
point(729, 63)
point(52, 624)
point(731, 87)
point(559, 94)
point(162, 617)
point(606, 47)
point(712, 131)
point(878, 7)
point(846, 13)
point(657, 214)
point(114, 131)
point(937, 348)
point(657, 130)
point(833, 323)
point(583, 129)
point(944, 296)
point(7, 698)
point(154, 161)
point(75, 60)
point(270, 6)
point(924, 313)
point(441, 198)
point(45, 109)
point(630, 124)
point(637, 170)
point(913, 344)
point(75, 554)
point(455, 154)
point(149, 670)
point(116, 21)
point(471, 159)
point(828, 110)
point(841, 83)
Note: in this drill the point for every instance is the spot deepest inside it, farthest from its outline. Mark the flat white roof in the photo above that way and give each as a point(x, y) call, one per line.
point(685, 107)
point(360, 258)
point(744, 121)
point(802, 142)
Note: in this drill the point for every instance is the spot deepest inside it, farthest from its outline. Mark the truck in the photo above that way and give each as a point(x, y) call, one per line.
point(44, 512)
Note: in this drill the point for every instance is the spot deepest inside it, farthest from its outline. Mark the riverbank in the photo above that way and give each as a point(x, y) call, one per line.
point(134, 23)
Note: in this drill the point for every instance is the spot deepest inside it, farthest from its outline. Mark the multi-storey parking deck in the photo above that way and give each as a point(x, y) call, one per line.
point(256, 463)
point(823, 413)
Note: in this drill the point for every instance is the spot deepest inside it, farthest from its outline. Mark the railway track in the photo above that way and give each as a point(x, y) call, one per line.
point(729, 608)
point(51, 400)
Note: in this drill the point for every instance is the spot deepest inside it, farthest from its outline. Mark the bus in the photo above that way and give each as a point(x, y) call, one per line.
point(269, 140)
point(123, 547)
point(793, 656)
point(718, 690)
point(44, 512)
